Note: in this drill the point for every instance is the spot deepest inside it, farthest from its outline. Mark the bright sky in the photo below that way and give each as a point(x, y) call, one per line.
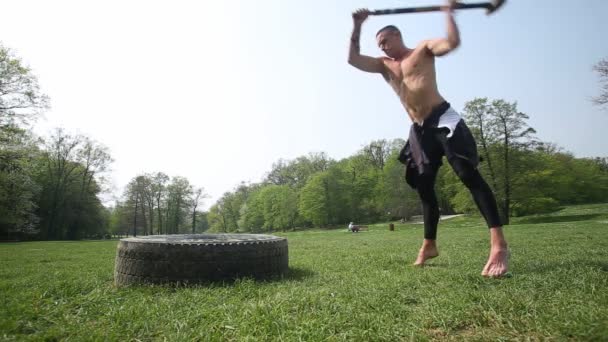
point(216, 91)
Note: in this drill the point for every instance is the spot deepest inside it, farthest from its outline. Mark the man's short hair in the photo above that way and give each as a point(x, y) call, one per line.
point(391, 28)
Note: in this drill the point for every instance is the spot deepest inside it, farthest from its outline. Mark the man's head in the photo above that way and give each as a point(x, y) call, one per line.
point(390, 41)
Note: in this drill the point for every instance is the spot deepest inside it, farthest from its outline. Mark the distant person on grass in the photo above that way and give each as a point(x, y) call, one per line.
point(353, 228)
point(437, 130)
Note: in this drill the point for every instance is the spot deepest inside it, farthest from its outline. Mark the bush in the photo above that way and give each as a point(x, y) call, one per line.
point(535, 205)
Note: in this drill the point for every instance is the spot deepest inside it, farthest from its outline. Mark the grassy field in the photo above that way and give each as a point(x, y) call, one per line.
point(342, 286)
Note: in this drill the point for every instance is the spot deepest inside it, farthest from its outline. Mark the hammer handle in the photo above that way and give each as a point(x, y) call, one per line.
point(485, 5)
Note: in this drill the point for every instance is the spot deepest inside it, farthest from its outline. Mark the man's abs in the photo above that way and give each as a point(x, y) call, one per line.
point(419, 99)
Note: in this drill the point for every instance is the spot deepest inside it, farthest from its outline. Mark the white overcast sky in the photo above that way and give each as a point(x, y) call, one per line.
point(217, 91)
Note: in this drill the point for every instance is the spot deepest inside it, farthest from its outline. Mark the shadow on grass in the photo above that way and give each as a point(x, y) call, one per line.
point(293, 274)
point(603, 266)
point(537, 268)
point(556, 219)
point(298, 274)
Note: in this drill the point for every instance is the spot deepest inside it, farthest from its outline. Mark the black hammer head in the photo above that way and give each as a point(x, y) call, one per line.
point(495, 5)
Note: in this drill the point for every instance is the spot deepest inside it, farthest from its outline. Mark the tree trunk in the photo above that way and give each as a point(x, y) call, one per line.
point(143, 215)
point(135, 218)
point(193, 221)
point(507, 180)
point(177, 218)
point(484, 145)
point(160, 217)
point(327, 203)
point(150, 201)
point(168, 229)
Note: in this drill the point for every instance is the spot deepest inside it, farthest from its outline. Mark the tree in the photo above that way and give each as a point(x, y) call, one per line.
point(177, 208)
point(202, 221)
point(218, 220)
point(503, 135)
point(252, 211)
point(95, 161)
point(20, 102)
point(395, 197)
point(477, 114)
point(20, 96)
point(60, 173)
point(18, 187)
point(119, 220)
point(362, 176)
point(377, 153)
point(139, 204)
point(158, 188)
point(602, 69)
point(174, 205)
point(314, 200)
point(325, 199)
point(514, 134)
point(297, 172)
point(197, 196)
point(68, 204)
point(279, 207)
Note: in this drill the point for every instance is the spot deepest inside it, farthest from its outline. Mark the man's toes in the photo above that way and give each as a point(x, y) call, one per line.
point(485, 270)
point(498, 271)
point(497, 275)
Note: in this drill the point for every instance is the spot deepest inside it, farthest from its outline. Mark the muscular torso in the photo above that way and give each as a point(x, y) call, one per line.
point(413, 79)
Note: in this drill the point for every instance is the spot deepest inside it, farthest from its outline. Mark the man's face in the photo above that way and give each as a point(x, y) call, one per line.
point(389, 42)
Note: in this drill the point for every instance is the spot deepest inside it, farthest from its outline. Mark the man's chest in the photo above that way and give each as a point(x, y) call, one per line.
point(411, 66)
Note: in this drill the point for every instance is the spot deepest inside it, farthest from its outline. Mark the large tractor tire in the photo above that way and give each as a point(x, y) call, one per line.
point(192, 259)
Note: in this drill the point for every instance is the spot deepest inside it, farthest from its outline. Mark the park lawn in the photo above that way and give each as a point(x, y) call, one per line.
point(341, 286)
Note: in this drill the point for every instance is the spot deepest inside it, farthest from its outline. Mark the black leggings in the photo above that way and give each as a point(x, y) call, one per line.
point(472, 179)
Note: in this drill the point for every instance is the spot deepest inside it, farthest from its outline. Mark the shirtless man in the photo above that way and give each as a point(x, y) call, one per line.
point(437, 130)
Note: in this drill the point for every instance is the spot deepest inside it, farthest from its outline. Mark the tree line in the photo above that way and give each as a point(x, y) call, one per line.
point(158, 204)
point(528, 176)
point(50, 187)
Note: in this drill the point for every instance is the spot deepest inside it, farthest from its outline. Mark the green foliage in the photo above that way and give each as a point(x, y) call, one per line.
point(602, 71)
point(177, 207)
point(252, 212)
point(225, 214)
point(535, 205)
point(20, 96)
point(18, 188)
point(67, 171)
point(279, 207)
point(314, 200)
point(158, 204)
point(51, 190)
point(502, 135)
point(395, 198)
point(297, 172)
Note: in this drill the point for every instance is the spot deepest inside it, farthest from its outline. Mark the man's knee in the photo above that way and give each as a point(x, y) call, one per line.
point(426, 191)
point(469, 175)
point(427, 196)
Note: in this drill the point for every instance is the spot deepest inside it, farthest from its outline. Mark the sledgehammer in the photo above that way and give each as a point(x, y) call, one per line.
point(490, 7)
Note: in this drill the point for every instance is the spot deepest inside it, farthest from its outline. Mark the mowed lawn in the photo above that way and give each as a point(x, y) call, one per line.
point(342, 286)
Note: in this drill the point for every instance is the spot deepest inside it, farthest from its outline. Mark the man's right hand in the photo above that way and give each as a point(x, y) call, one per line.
point(360, 15)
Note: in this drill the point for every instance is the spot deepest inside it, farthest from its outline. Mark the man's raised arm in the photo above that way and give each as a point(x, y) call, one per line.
point(442, 46)
point(355, 58)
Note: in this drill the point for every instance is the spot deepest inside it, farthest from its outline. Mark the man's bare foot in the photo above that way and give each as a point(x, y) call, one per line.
point(428, 251)
point(498, 262)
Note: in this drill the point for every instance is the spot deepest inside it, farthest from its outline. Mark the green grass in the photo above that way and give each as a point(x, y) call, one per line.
point(342, 286)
